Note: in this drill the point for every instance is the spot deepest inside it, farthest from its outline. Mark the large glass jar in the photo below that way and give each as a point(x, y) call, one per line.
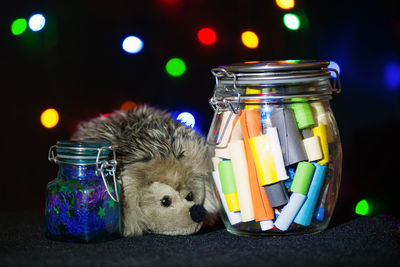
point(82, 203)
point(278, 155)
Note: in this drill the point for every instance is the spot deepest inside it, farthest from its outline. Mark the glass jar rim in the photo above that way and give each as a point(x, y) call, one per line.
point(80, 152)
point(270, 73)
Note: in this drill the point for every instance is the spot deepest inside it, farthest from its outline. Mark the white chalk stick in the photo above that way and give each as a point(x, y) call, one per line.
point(313, 148)
point(239, 163)
point(276, 150)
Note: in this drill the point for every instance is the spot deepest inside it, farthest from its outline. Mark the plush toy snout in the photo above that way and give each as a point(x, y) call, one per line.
point(197, 213)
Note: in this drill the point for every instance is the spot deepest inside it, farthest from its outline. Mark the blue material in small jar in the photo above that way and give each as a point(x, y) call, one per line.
point(82, 203)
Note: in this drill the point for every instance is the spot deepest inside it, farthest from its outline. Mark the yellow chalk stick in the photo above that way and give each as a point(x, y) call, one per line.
point(320, 131)
point(263, 158)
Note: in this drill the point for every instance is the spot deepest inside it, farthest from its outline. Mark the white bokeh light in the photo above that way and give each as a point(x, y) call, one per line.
point(132, 44)
point(187, 119)
point(36, 22)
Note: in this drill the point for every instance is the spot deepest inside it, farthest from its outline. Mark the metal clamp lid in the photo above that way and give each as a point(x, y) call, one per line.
point(99, 159)
point(267, 72)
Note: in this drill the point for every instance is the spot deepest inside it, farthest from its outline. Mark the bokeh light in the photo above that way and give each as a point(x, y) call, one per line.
point(132, 44)
point(207, 36)
point(362, 207)
point(49, 118)
point(291, 21)
point(392, 75)
point(187, 119)
point(175, 67)
point(18, 26)
point(334, 65)
point(128, 105)
point(37, 22)
point(285, 4)
point(250, 39)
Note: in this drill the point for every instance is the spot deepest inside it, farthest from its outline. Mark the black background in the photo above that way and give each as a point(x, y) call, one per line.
point(76, 65)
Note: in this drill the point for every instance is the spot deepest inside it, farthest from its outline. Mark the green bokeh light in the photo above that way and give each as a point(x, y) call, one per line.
point(362, 207)
point(175, 67)
point(18, 26)
point(291, 21)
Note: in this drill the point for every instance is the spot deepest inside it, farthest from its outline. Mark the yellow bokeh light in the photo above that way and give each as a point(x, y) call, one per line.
point(285, 4)
point(250, 39)
point(49, 118)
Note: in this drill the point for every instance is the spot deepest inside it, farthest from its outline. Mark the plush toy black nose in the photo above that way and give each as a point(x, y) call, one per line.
point(198, 213)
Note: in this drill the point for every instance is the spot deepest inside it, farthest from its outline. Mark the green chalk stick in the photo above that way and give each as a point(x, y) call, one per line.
point(302, 177)
point(227, 177)
point(302, 113)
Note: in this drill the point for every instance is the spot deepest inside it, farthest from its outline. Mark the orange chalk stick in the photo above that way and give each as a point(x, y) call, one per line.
point(250, 122)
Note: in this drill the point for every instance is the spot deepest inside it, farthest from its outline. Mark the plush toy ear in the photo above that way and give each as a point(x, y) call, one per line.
point(133, 219)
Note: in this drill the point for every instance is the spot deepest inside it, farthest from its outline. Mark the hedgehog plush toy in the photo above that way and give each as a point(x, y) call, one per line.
point(164, 169)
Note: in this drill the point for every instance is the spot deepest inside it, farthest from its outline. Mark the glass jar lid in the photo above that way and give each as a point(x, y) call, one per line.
point(272, 72)
point(78, 152)
point(275, 81)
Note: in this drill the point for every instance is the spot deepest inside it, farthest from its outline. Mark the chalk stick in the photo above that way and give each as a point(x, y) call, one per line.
point(320, 212)
point(320, 131)
point(302, 113)
point(290, 211)
point(313, 148)
point(307, 210)
point(307, 133)
point(241, 172)
point(253, 122)
point(266, 225)
point(302, 177)
point(228, 185)
point(266, 112)
point(277, 195)
point(232, 133)
point(233, 217)
point(291, 142)
point(249, 121)
point(263, 158)
point(321, 117)
point(273, 137)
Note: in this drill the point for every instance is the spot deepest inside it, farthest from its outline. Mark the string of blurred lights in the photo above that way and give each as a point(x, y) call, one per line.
point(174, 67)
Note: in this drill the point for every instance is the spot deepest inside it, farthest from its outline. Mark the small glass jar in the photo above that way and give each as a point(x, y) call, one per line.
point(278, 155)
point(82, 203)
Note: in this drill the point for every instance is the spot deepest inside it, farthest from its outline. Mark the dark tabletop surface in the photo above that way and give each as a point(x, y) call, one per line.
point(365, 241)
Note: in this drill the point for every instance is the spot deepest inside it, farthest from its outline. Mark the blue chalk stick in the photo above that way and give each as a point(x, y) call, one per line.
point(307, 210)
point(319, 216)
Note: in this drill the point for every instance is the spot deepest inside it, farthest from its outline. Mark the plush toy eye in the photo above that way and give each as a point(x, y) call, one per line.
point(189, 197)
point(166, 201)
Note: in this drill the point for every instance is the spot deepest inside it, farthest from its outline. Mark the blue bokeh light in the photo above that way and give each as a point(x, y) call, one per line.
point(392, 75)
point(132, 44)
point(187, 119)
point(334, 65)
point(36, 22)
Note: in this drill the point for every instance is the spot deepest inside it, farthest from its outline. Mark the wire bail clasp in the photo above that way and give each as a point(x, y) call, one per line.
point(215, 101)
point(109, 168)
point(336, 80)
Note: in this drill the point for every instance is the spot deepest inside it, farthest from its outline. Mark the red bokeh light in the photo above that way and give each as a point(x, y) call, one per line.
point(207, 36)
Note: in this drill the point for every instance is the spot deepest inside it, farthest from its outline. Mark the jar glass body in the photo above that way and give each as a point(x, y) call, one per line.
point(278, 157)
point(79, 208)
